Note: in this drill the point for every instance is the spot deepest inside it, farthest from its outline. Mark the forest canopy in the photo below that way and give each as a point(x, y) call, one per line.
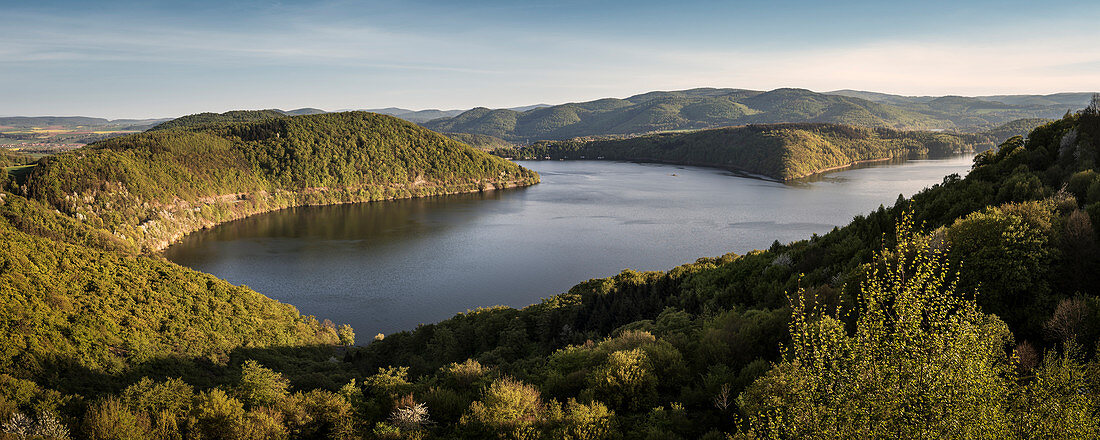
point(779, 151)
point(151, 188)
point(968, 310)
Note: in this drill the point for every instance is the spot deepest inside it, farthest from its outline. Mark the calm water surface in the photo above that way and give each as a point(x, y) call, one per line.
point(388, 266)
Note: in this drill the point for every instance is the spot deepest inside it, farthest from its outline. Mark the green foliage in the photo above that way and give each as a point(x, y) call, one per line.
point(172, 396)
point(509, 409)
point(479, 141)
point(780, 151)
point(71, 306)
point(11, 158)
point(588, 422)
point(261, 386)
point(1059, 402)
point(922, 362)
point(149, 189)
point(710, 108)
point(111, 420)
point(218, 415)
point(626, 380)
point(659, 355)
point(1006, 256)
point(200, 119)
point(346, 334)
point(1018, 127)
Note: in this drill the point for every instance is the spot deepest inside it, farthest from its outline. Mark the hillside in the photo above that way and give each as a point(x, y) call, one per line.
point(73, 305)
point(1069, 100)
point(149, 189)
point(1019, 127)
point(479, 141)
point(779, 151)
point(219, 118)
point(9, 158)
point(417, 116)
point(686, 353)
point(968, 310)
point(711, 108)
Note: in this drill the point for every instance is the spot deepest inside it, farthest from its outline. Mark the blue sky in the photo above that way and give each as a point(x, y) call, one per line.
point(158, 59)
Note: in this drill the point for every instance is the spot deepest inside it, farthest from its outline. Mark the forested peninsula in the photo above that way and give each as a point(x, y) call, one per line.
point(967, 311)
point(150, 189)
point(777, 151)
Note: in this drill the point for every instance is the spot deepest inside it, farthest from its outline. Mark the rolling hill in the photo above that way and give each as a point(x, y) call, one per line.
point(711, 108)
point(778, 151)
point(151, 188)
point(967, 310)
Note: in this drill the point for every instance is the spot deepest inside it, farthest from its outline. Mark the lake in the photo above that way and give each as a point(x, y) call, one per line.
point(388, 266)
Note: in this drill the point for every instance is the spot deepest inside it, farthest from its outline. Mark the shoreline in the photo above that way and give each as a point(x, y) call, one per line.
point(841, 167)
point(284, 200)
point(741, 172)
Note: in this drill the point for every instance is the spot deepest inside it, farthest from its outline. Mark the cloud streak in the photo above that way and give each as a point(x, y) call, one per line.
point(350, 55)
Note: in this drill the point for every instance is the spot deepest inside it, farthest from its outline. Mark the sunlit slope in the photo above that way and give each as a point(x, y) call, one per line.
point(151, 188)
point(780, 151)
point(67, 303)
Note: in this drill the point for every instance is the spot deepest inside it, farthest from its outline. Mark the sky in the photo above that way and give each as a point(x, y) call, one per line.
point(142, 59)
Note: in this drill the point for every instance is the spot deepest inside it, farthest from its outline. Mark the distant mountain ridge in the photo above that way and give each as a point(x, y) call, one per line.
point(1073, 99)
point(703, 108)
point(46, 121)
point(692, 109)
point(416, 116)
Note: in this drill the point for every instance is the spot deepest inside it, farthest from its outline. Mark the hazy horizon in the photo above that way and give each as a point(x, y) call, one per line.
point(284, 108)
point(127, 59)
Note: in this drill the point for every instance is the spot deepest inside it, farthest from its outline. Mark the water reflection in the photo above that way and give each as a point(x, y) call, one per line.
point(388, 266)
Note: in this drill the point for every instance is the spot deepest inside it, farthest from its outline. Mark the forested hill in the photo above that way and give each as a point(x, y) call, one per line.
point(974, 316)
point(75, 308)
point(151, 188)
point(779, 151)
point(968, 311)
point(219, 118)
point(710, 108)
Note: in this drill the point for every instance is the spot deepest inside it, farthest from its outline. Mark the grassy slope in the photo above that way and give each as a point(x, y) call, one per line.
point(151, 188)
point(780, 151)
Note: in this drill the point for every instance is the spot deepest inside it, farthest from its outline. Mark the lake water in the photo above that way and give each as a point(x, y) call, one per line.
point(388, 266)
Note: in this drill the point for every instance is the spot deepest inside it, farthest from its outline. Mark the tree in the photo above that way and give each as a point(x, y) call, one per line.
point(346, 334)
point(1059, 402)
point(626, 380)
point(922, 362)
point(508, 408)
point(111, 420)
point(261, 386)
point(592, 421)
